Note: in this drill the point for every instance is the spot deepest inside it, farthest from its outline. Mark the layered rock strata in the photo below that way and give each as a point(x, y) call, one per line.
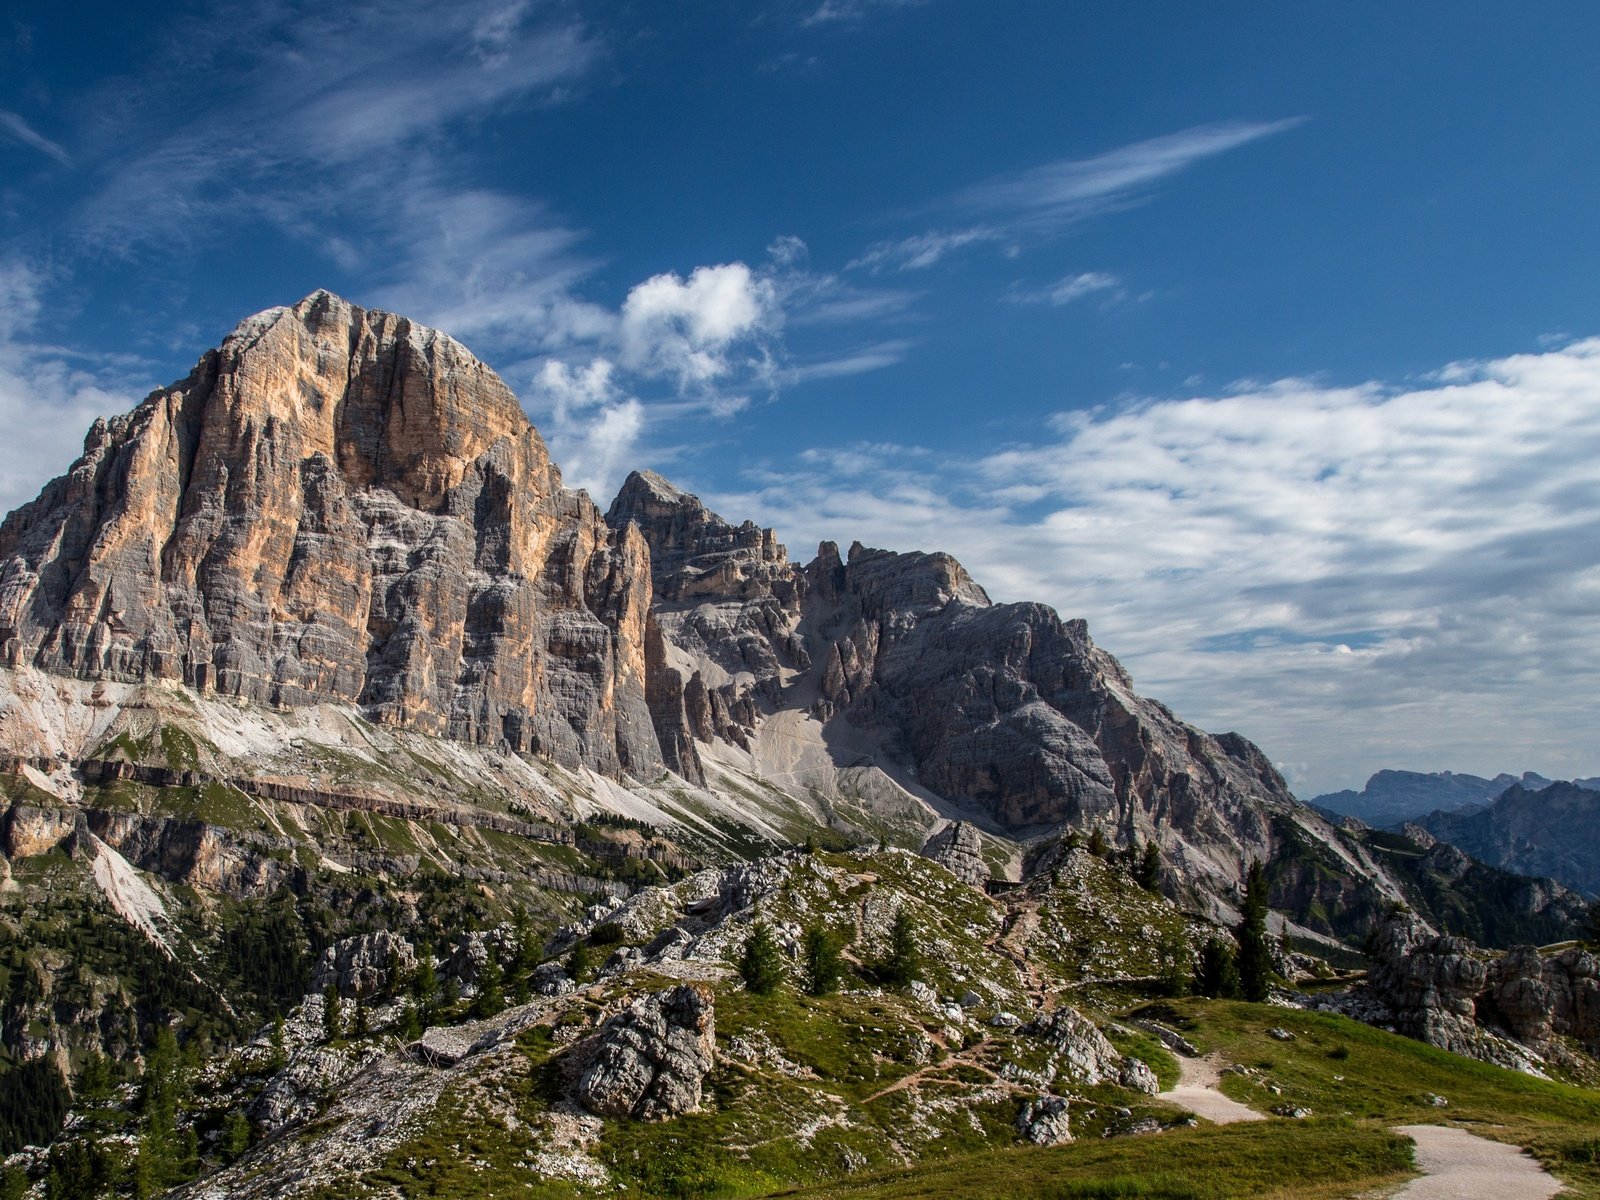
point(341, 505)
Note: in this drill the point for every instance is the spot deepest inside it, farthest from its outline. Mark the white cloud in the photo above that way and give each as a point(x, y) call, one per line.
point(1356, 577)
point(831, 12)
point(922, 250)
point(1039, 202)
point(1072, 287)
point(1069, 189)
point(20, 130)
point(48, 396)
point(689, 330)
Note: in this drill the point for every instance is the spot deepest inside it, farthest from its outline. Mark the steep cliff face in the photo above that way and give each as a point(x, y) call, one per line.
point(1545, 831)
point(341, 505)
point(1005, 711)
point(727, 609)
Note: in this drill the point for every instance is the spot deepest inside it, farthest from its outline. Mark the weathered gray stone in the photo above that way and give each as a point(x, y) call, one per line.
point(1044, 1121)
point(651, 1059)
point(958, 849)
point(368, 964)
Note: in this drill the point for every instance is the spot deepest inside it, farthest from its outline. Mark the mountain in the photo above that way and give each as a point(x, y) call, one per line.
point(1391, 797)
point(331, 720)
point(1553, 830)
point(340, 509)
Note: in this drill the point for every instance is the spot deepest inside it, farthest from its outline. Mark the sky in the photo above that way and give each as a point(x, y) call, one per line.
point(1264, 337)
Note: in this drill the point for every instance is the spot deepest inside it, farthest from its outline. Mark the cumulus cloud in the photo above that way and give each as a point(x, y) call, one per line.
point(1344, 574)
point(687, 329)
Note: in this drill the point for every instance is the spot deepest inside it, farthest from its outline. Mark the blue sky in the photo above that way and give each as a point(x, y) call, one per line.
point(1257, 334)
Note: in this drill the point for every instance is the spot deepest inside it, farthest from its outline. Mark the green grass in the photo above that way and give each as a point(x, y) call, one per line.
point(1301, 1159)
point(1338, 1067)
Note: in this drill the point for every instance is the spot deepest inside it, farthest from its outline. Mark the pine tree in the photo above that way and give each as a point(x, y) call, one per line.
point(1150, 867)
point(761, 962)
point(1255, 955)
point(330, 1012)
point(1217, 975)
point(1097, 843)
point(235, 1134)
point(905, 951)
point(824, 966)
point(491, 998)
point(425, 982)
point(578, 964)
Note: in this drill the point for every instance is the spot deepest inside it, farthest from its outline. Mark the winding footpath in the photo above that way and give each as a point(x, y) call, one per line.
point(1455, 1164)
point(1197, 1092)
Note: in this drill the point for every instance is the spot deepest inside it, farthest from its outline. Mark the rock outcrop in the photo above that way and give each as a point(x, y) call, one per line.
point(652, 1058)
point(1430, 983)
point(341, 505)
point(958, 849)
point(367, 965)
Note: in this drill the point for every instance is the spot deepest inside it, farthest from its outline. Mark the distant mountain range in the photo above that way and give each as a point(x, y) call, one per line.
point(1529, 825)
point(1553, 831)
point(1392, 797)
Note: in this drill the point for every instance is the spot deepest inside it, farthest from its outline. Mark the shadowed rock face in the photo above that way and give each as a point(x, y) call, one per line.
point(1005, 709)
point(341, 505)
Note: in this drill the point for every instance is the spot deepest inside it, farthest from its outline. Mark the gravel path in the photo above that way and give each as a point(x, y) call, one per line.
point(1197, 1091)
point(1458, 1165)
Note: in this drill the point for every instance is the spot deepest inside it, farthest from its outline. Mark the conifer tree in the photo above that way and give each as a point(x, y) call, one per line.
point(1150, 867)
point(490, 998)
point(1255, 955)
point(905, 951)
point(761, 962)
point(824, 966)
point(1217, 975)
point(330, 1012)
point(1097, 843)
point(578, 965)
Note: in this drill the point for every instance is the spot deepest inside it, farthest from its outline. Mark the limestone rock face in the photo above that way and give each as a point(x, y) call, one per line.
point(653, 1057)
point(365, 965)
point(341, 505)
point(1004, 709)
point(727, 606)
point(1431, 983)
point(1044, 1121)
point(958, 848)
point(1536, 997)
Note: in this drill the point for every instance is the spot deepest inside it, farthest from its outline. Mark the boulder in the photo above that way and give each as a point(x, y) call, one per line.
point(958, 849)
point(650, 1060)
point(1044, 1121)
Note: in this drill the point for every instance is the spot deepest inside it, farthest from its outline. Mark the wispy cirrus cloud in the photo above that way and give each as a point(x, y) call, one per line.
point(1343, 573)
point(837, 12)
point(13, 126)
point(1041, 201)
point(1070, 288)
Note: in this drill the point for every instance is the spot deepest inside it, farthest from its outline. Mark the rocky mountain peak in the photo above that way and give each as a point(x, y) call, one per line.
point(693, 551)
point(339, 504)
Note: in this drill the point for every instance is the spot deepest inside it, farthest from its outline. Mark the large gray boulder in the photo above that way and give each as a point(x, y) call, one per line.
point(653, 1057)
point(958, 849)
